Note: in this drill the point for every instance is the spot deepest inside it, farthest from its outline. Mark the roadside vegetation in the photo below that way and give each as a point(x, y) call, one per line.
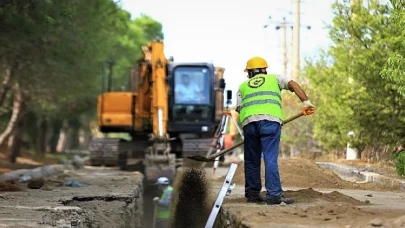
point(357, 84)
point(51, 54)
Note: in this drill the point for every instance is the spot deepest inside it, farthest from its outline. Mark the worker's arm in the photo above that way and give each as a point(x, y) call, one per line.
point(296, 88)
point(289, 84)
point(166, 202)
point(200, 96)
point(198, 91)
point(308, 108)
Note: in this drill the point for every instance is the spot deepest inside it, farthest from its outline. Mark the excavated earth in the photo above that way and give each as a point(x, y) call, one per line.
point(113, 198)
point(306, 174)
point(109, 198)
point(322, 199)
point(191, 199)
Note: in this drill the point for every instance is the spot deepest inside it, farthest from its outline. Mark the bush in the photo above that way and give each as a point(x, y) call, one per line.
point(400, 163)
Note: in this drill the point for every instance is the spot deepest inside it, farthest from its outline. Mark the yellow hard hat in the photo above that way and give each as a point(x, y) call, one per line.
point(255, 63)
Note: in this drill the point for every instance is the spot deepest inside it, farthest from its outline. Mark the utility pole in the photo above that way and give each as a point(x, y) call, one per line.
point(283, 27)
point(296, 42)
point(291, 52)
point(293, 64)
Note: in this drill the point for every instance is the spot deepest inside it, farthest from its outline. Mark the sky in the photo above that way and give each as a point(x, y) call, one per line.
point(228, 33)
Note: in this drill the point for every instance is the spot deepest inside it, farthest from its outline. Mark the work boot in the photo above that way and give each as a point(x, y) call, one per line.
point(254, 197)
point(279, 200)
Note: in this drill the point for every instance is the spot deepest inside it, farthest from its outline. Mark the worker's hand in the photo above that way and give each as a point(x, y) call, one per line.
point(156, 199)
point(308, 108)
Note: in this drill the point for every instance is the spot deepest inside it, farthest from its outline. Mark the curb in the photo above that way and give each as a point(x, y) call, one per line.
point(363, 175)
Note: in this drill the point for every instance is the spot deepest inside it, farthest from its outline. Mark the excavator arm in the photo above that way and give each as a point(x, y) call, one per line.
point(152, 92)
point(151, 111)
point(159, 97)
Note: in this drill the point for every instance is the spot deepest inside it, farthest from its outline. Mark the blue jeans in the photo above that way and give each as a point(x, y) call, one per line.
point(262, 136)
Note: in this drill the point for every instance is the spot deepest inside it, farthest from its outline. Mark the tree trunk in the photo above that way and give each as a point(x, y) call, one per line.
point(18, 112)
point(74, 125)
point(63, 141)
point(6, 85)
point(31, 129)
point(292, 151)
point(57, 125)
point(15, 141)
point(86, 139)
point(43, 127)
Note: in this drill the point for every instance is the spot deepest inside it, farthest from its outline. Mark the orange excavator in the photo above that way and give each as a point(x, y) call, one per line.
point(169, 111)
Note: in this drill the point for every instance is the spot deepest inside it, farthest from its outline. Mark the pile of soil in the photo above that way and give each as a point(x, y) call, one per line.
point(190, 203)
point(309, 195)
point(306, 174)
point(9, 186)
point(321, 214)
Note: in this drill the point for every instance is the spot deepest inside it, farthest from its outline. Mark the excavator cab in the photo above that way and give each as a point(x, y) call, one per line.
point(196, 103)
point(192, 97)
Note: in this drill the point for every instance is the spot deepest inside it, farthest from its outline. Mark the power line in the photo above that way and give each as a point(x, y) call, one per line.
point(282, 25)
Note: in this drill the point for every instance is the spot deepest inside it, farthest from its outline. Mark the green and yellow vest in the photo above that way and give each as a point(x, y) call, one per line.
point(164, 212)
point(261, 95)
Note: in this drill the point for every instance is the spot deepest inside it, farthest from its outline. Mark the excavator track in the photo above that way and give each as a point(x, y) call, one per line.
point(193, 147)
point(104, 151)
point(132, 156)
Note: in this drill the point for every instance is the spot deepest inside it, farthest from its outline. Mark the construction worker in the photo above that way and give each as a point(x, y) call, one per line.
point(163, 203)
point(260, 112)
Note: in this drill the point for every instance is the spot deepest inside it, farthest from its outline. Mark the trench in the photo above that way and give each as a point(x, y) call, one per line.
point(227, 219)
point(148, 207)
point(191, 200)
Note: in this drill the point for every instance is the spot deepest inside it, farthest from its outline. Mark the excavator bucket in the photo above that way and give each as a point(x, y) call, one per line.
point(200, 158)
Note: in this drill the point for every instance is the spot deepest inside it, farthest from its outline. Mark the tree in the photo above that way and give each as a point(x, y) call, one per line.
point(351, 92)
point(53, 50)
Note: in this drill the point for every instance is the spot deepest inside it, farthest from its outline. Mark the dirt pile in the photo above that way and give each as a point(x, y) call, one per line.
point(319, 214)
point(306, 174)
point(309, 196)
point(190, 205)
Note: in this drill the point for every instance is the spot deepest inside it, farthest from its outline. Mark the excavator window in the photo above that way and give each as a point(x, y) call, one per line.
point(191, 85)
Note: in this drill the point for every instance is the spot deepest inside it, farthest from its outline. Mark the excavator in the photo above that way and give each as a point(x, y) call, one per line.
point(169, 111)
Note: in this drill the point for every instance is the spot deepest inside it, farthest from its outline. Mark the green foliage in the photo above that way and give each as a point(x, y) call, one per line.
point(400, 163)
point(395, 64)
point(54, 50)
point(357, 84)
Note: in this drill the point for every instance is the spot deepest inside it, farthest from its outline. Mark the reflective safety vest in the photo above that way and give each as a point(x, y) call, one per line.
point(164, 212)
point(261, 95)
